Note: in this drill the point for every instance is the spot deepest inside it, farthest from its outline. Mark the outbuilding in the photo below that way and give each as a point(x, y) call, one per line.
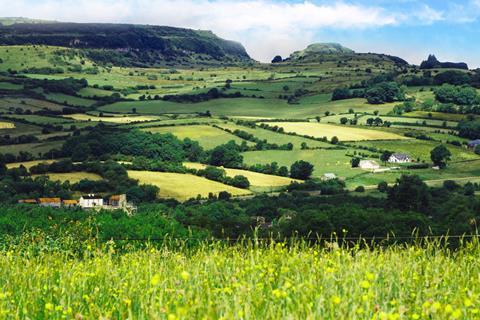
point(399, 158)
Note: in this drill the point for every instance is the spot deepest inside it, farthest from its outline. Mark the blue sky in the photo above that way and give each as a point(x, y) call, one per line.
point(407, 28)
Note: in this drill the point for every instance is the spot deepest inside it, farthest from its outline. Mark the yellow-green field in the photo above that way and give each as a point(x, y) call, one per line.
point(219, 281)
point(28, 164)
point(117, 119)
point(183, 186)
point(344, 133)
point(73, 177)
point(6, 125)
point(208, 137)
point(256, 179)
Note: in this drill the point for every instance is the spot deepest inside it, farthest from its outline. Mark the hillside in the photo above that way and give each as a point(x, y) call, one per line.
point(322, 52)
point(129, 45)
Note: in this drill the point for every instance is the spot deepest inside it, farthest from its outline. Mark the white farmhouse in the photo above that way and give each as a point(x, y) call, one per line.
point(90, 201)
point(399, 158)
point(369, 164)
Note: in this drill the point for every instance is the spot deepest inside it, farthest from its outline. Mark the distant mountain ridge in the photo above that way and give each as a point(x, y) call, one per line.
point(433, 63)
point(127, 44)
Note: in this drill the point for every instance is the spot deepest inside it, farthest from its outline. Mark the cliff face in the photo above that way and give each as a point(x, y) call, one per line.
point(433, 63)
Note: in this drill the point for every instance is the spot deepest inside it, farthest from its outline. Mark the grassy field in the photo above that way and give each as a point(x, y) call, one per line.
point(183, 186)
point(218, 281)
point(419, 149)
point(33, 148)
point(36, 119)
point(274, 137)
point(248, 107)
point(256, 179)
point(344, 133)
point(324, 161)
point(411, 120)
point(112, 119)
point(435, 115)
point(208, 137)
point(73, 177)
point(70, 100)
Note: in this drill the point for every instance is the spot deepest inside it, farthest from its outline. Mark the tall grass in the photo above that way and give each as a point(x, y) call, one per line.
point(44, 278)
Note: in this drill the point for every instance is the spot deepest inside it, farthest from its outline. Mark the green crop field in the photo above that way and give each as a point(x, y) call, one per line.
point(183, 186)
point(217, 281)
point(344, 133)
point(208, 137)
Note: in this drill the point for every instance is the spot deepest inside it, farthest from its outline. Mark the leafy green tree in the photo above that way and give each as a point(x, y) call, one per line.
point(409, 193)
point(226, 155)
point(283, 171)
point(340, 94)
point(440, 155)
point(343, 120)
point(355, 162)
point(385, 156)
point(382, 186)
point(240, 181)
point(334, 140)
point(301, 170)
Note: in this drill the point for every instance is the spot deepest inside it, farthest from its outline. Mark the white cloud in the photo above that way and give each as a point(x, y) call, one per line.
point(265, 27)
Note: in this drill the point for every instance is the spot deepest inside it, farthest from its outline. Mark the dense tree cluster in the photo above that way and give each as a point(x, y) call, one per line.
point(410, 205)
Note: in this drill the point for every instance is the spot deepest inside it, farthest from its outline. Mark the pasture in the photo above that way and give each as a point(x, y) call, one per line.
point(40, 120)
point(183, 186)
point(70, 100)
point(248, 107)
point(33, 148)
point(419, 149)
point(72, 177)
point(411, 121)
point(344, 133)
point(208, 137)
point(324, 161)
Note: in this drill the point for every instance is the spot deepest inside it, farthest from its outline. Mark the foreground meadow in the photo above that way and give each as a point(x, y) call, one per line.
point(240, 281)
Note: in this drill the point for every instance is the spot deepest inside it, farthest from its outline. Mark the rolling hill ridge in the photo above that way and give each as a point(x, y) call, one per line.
point(129, 45)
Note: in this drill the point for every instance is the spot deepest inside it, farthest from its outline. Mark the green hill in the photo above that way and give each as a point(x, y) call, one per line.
point(324, 52)
point(128, 45)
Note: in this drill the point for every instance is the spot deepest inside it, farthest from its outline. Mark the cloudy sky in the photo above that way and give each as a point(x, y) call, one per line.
point(410, 29)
